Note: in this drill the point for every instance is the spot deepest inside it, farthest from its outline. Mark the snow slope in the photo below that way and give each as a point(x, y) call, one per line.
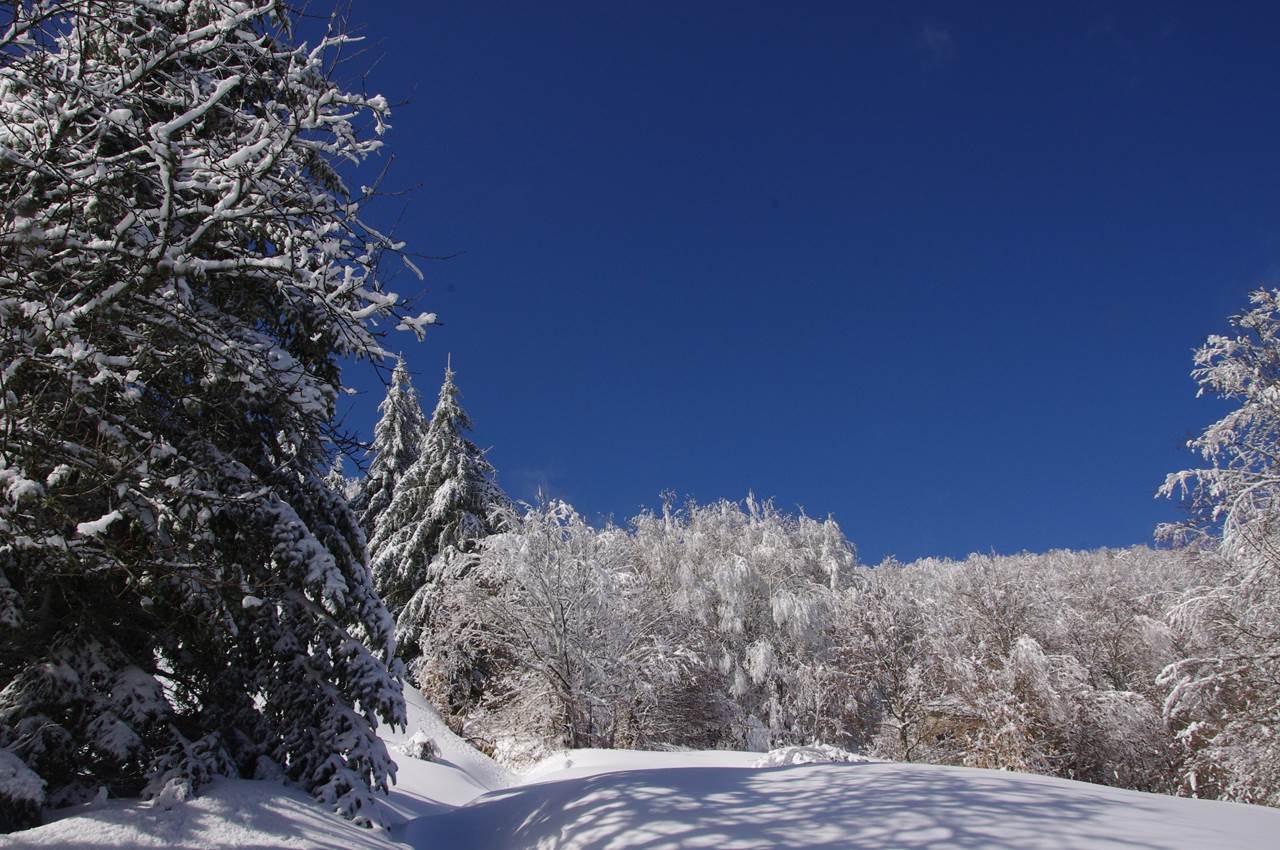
point(250, 814)
point(459, 775)
point(874, 806)
point(230, 813)
point(620, 800)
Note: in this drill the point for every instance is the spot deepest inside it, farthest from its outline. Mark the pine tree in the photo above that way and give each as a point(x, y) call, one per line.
point(181, 596)
point(445, 499)
point(397, 440)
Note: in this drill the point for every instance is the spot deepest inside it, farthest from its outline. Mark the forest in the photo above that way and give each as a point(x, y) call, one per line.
point(192, 587)
point(733, 625)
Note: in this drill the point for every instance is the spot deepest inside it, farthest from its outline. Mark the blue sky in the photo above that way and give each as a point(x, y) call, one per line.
point(936, 270)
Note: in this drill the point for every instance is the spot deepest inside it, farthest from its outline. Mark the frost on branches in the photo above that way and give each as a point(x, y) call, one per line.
point(1225, 695)
point(180, 265)
point(551, 595)
point(733, 625)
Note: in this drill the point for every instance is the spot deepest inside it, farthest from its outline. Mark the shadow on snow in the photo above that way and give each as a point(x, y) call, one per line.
point(850, 807)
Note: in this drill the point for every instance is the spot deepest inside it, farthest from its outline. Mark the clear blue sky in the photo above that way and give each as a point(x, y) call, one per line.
point(933, 269)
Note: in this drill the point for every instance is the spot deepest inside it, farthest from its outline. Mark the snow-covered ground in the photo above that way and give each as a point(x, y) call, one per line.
point(619, 800)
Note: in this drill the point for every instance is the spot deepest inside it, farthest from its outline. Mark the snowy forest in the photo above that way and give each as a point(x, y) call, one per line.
point(733, 625)
point(202, 575)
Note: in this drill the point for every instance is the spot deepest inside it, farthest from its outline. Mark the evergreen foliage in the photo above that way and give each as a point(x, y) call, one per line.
point(336, 479)
point(397, 441)
point(448, 498)
point(181, 596)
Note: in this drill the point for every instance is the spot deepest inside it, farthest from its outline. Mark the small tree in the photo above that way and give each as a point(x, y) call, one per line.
point(1225, 696)
point(180, 268)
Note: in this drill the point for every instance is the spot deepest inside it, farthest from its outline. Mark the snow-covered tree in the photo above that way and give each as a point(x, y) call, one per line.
point(557, 604)
point(885, 645)
point(752, 589)
point(336, 478)
point(732, 624)
point(397, 441)
point(181, 266)
point(1045, 663)
point(1225, 694)
point(447, 498)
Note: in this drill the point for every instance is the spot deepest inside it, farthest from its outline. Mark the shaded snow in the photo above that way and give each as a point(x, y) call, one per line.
point(17, 782)
point(456, 777)
point(874, 806)
point(626, 800)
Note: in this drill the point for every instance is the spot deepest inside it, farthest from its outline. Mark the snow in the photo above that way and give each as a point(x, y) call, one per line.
point(229, 813)
point(855, 806)
point(458, 775)
point(174, 793)
point(590, 762)
point(627, 800)
point(17, 782)
point(812, 754)
point(99, 525)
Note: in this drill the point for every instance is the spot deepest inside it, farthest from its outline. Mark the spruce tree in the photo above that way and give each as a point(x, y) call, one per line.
point(397, 440)
point(181, 266)
point(445, 500)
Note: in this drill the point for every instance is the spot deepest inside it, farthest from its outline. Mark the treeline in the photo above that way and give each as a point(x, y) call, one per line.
point(736, 625)
point(732, 625)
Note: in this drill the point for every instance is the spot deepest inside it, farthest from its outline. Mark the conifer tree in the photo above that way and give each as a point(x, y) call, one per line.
point(181, 596)
point(336, 478)
point(397, 440)
point(445, 500)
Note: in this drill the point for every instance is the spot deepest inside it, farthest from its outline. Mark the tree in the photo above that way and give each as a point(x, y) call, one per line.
point(885, 647)
point(397, 441)
point(556, 595)
point(181, 265)
point(447, 498)
point(1225, 695)
point(752, 590)
point(336, 478)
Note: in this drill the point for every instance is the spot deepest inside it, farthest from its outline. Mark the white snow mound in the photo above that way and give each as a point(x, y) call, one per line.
point(229, 813)
point(810, 754)
point(421, 746)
